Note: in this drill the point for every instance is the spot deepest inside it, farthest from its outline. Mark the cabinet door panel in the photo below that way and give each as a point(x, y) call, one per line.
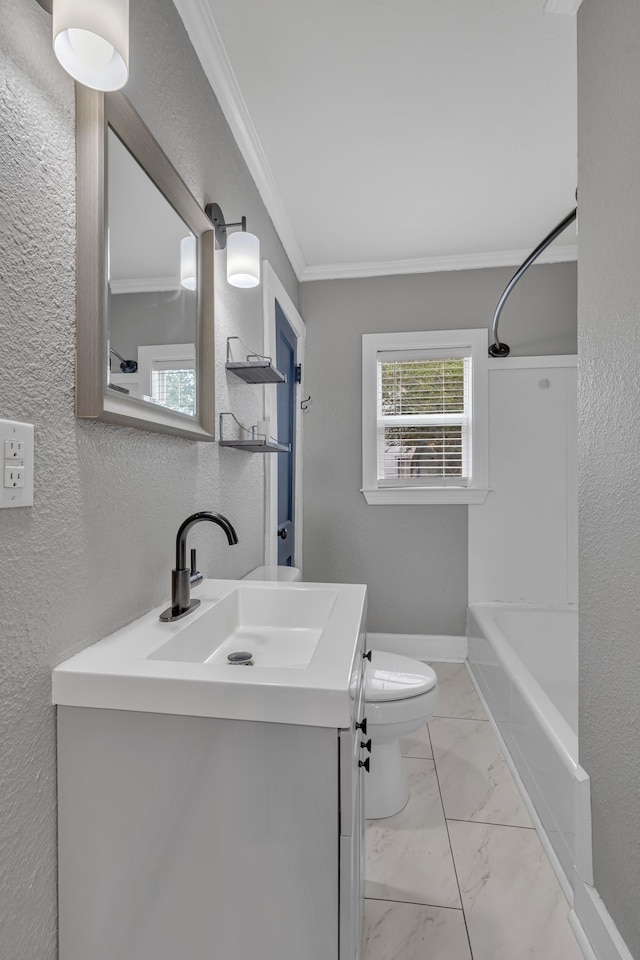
point(191, 837)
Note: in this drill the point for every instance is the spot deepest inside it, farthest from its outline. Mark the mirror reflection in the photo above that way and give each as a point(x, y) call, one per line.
point(152, 289)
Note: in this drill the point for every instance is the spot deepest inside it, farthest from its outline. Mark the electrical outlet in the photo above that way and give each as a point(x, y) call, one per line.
point(13, 450)
point(16, 442)
point(14, 476)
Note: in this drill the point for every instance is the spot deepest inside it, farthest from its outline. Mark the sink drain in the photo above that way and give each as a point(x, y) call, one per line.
point(241, 658)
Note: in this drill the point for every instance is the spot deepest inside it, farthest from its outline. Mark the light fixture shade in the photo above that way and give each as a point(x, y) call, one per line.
point(91, 41)
point(243, 259)
point(188, 262)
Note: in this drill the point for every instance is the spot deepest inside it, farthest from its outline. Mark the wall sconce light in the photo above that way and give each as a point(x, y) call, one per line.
point(91, 41)
point(243, 249)
point(188, 262)
point(127, 366)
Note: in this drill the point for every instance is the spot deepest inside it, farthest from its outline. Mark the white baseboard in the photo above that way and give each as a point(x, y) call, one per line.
point(592, 922)
point(419, 646)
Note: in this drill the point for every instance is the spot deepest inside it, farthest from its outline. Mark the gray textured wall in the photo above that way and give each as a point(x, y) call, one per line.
point(96, 549)
point(414, 558)
point(609, 455)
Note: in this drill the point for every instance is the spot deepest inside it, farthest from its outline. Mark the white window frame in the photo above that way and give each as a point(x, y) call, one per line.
point(157, 356)
point(476, 343)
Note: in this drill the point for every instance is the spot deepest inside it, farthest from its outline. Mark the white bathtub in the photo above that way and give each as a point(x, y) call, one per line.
point(525, 661)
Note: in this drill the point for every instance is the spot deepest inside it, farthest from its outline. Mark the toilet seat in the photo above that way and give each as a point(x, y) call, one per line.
point(391, 677)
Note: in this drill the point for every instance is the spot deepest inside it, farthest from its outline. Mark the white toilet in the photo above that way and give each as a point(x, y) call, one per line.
point(400, 696)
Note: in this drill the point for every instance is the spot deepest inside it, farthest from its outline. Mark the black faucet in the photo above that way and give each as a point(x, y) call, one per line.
point(182, 577)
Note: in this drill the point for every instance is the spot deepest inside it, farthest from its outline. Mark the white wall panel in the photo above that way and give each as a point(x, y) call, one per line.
point(523, 539)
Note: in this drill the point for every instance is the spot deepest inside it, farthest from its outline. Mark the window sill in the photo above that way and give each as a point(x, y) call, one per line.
point(405, 495)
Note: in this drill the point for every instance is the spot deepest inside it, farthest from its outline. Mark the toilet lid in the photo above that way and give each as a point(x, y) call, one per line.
point(392, 677)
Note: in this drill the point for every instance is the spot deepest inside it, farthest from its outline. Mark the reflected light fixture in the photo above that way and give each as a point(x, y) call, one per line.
point(91, 41)
point(188, 263)
point(243, 249)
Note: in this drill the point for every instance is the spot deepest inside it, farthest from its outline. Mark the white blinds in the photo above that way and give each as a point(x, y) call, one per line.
point(424, 418)
point(173, 385)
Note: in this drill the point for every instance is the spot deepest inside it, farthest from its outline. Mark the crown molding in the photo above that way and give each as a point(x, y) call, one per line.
point(145, 285)
point(562, 6)
point(465, 261)
point(208, 44)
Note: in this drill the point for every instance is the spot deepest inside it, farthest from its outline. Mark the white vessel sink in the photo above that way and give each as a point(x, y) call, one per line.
point(279, 628)
point(302, 638)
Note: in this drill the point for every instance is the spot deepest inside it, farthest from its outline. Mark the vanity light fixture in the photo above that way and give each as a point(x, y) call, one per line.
point(188, 262)
point(243, 249)
point(91, 41)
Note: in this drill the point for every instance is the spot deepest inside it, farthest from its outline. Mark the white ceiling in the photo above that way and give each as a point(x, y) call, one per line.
point(394, 136)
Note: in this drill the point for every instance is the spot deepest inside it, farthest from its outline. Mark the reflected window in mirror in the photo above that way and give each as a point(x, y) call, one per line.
point(152, 314)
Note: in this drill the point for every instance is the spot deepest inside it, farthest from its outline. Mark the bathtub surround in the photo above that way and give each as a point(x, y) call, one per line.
point(523, 540)
point(609, 456)
point(414, 558)
point(524, 662)
point(107, 499)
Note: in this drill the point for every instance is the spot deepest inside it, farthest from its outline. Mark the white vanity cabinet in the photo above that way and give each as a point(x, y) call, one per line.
point(206, 838)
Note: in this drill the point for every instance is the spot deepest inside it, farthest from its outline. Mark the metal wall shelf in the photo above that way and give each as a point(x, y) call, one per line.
point(254, 443)
point(258, 446)
point(255, 369)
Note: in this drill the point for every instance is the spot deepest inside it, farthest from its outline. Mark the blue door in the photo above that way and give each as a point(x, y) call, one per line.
point(286, 362)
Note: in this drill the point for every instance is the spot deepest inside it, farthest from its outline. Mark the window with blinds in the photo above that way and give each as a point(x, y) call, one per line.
point(173, 384)
point(425, 436)
point(423, 416)
point(167, 375)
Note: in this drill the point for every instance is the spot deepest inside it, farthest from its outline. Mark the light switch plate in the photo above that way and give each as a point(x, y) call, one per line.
point(16, 450)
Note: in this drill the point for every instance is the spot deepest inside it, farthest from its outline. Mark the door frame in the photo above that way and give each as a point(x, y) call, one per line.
point(274, 290)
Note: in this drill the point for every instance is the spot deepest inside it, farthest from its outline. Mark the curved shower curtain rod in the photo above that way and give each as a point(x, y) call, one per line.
point(498, 349)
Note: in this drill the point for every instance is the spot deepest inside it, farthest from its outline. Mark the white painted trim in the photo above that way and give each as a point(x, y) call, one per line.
point(582, 825)
point(145, 285)
point(581, 937)
point(475, 341)
point(463, 261)
point(420, 646)
point(425, 495)
point(208, 44)
point(533, 363)
point(272, 290)
point(591, 919)
point(562, 6)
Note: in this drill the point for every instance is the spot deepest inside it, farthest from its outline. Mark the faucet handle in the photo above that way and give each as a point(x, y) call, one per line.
point(195, 576)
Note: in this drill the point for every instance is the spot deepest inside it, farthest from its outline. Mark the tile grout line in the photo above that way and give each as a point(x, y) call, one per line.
point(442, 716)
point(453, 859)
point(491, 823)
point(417, 903)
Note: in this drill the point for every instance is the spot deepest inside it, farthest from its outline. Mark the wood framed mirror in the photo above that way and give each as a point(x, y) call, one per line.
point(145, 294)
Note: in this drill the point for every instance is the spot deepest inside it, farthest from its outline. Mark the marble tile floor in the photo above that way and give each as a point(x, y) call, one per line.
point(460, 873)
